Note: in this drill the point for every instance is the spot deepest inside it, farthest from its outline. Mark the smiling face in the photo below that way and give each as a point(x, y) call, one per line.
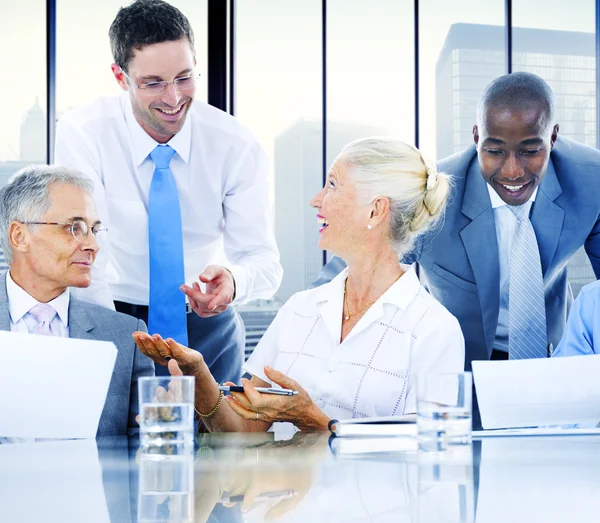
point(161, 116)
point(48, 258)
point(513, 148)
point(339, 213)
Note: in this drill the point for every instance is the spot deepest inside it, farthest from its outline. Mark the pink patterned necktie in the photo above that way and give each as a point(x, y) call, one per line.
point(43, 314)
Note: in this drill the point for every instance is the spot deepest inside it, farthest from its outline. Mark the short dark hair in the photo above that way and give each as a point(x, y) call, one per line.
point(146, 22)
point(518, 91)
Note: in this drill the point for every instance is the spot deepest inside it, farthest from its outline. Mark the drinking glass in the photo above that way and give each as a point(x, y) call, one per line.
point(444, 410)
point(166, 411)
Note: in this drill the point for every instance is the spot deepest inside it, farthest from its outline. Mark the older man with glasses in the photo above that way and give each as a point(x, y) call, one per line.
point(183, 189)
point(50, 234)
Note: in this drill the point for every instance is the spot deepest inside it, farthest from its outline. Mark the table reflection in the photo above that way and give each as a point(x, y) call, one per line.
point(539, 479)
point(166, 486)
point(251, 478)
point(301, 480)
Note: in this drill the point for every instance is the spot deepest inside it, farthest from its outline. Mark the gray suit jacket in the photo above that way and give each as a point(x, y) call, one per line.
point(459, 264)
point(92, 322)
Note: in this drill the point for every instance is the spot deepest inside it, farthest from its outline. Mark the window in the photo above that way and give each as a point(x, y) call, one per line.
point(278, 96)
point(278, 92)
point(370, 71)
point(461, 49)
point(23, 58)
point(558, 44)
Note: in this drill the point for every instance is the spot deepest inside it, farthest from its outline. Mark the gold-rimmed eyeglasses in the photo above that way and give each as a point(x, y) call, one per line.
point(181, 83)
point(79, 229)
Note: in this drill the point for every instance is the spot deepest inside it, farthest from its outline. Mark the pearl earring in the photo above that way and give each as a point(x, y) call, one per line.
point(369, 226)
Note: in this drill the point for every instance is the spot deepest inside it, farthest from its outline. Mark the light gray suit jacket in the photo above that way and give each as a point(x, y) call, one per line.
point(92, 322)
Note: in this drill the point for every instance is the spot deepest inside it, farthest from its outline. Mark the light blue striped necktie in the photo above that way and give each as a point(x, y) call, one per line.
point(527, 336)
point(166, 314)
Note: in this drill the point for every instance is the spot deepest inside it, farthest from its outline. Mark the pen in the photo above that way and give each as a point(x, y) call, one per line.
point(264, 496)
point(262, 390)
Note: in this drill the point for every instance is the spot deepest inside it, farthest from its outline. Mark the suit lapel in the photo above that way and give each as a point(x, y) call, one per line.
point(547, 218)
point(481, 245)
point(4, 308)
point(80, 324)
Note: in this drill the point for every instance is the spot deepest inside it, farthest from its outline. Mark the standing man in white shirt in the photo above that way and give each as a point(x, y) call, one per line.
point(182, 188)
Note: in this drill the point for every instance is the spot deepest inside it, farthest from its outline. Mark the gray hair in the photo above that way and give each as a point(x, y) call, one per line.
point(388, 167)
point(518, 92)
point(26, 196)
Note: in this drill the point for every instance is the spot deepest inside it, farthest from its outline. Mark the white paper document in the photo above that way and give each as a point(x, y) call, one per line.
point(52, 387)
point(530, 393)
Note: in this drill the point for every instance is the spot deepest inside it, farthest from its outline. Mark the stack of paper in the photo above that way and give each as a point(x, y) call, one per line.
point(377, 427)
point(52, 387)
point(539, 392)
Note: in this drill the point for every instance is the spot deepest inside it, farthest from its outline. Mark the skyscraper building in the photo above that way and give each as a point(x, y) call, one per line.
point(33, 135)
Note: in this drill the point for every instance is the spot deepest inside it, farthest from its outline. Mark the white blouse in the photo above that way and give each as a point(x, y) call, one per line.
point(372, 372)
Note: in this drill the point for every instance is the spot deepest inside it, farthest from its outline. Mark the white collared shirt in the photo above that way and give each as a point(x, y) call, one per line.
point(221, 176)
point(506, 222)
point(20, 303)
point(372, 372)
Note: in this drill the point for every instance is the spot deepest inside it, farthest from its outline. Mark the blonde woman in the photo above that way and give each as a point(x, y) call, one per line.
point(352, 347)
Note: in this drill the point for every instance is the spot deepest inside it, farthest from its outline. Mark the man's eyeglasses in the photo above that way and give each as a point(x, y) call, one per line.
point(79, 229)
point(182, 83)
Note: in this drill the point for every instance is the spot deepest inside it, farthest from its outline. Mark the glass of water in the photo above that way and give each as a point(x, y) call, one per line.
point(444, 405)
point(166, 411)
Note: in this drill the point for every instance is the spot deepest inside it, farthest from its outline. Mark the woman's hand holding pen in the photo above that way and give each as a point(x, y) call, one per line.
point(299, 409)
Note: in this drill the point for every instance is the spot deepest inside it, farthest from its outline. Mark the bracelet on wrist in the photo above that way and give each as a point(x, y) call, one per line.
point(215, 408)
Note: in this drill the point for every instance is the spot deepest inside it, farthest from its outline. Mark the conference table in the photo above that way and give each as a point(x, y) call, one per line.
point(253, 478)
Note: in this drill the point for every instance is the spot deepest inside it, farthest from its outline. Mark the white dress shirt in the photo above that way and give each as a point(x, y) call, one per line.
point(20, 303)
point(372, 372)
point(506, 222)
point(221, 176)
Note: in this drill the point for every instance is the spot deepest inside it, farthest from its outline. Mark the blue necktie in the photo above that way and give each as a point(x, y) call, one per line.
point(166, 315)
point(527, 337)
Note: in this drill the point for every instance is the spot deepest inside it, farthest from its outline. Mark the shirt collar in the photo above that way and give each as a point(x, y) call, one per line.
point(401, 293)
point(144, 144)
point(20, 302)
point(499, 202)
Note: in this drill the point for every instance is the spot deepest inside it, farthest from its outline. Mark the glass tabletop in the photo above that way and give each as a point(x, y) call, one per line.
point(252, 478)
